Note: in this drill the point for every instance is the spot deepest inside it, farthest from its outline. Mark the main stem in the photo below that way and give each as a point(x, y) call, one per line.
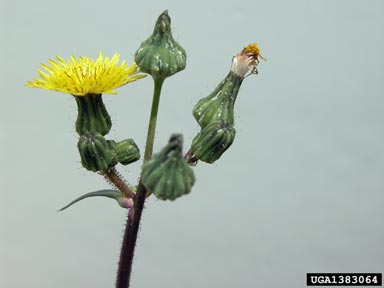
point(132, 227)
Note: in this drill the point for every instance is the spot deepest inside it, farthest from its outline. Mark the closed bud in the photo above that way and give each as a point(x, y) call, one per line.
point(95, 152)
point(160, 55)
point(167, 175)
point(213, 141)
point(124, 152)
point(92, 115)
point(219, 105)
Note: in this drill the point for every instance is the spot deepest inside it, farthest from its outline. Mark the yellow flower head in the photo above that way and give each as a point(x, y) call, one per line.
point(82, 76)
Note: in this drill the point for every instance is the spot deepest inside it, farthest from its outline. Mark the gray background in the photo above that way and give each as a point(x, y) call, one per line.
point(301, 189)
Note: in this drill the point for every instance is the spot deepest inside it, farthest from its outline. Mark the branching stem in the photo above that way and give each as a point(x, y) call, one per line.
point(114, 177)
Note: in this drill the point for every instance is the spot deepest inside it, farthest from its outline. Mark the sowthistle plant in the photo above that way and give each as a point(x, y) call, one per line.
point(168, 174)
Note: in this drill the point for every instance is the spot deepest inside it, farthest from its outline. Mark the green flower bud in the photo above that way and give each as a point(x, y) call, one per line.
point(213, 141)
point(92, 115)
point(95, 152)
point(160, 55)
point(124, 152)
point(167, 174)
point(219, 105)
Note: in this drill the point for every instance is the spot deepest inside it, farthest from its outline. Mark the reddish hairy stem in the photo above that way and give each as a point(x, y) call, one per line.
point(115, 178)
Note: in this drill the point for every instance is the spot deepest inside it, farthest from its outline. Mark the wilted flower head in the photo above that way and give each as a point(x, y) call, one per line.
point(245, 62)
point(82, 76)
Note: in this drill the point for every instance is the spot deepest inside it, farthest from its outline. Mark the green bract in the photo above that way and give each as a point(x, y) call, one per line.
point(160, 55)
point(213, 141)
point(219, 105)
point(167, 175)
point(92, 115)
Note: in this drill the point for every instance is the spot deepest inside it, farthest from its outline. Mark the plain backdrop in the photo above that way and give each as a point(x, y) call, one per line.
point(300, 190)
